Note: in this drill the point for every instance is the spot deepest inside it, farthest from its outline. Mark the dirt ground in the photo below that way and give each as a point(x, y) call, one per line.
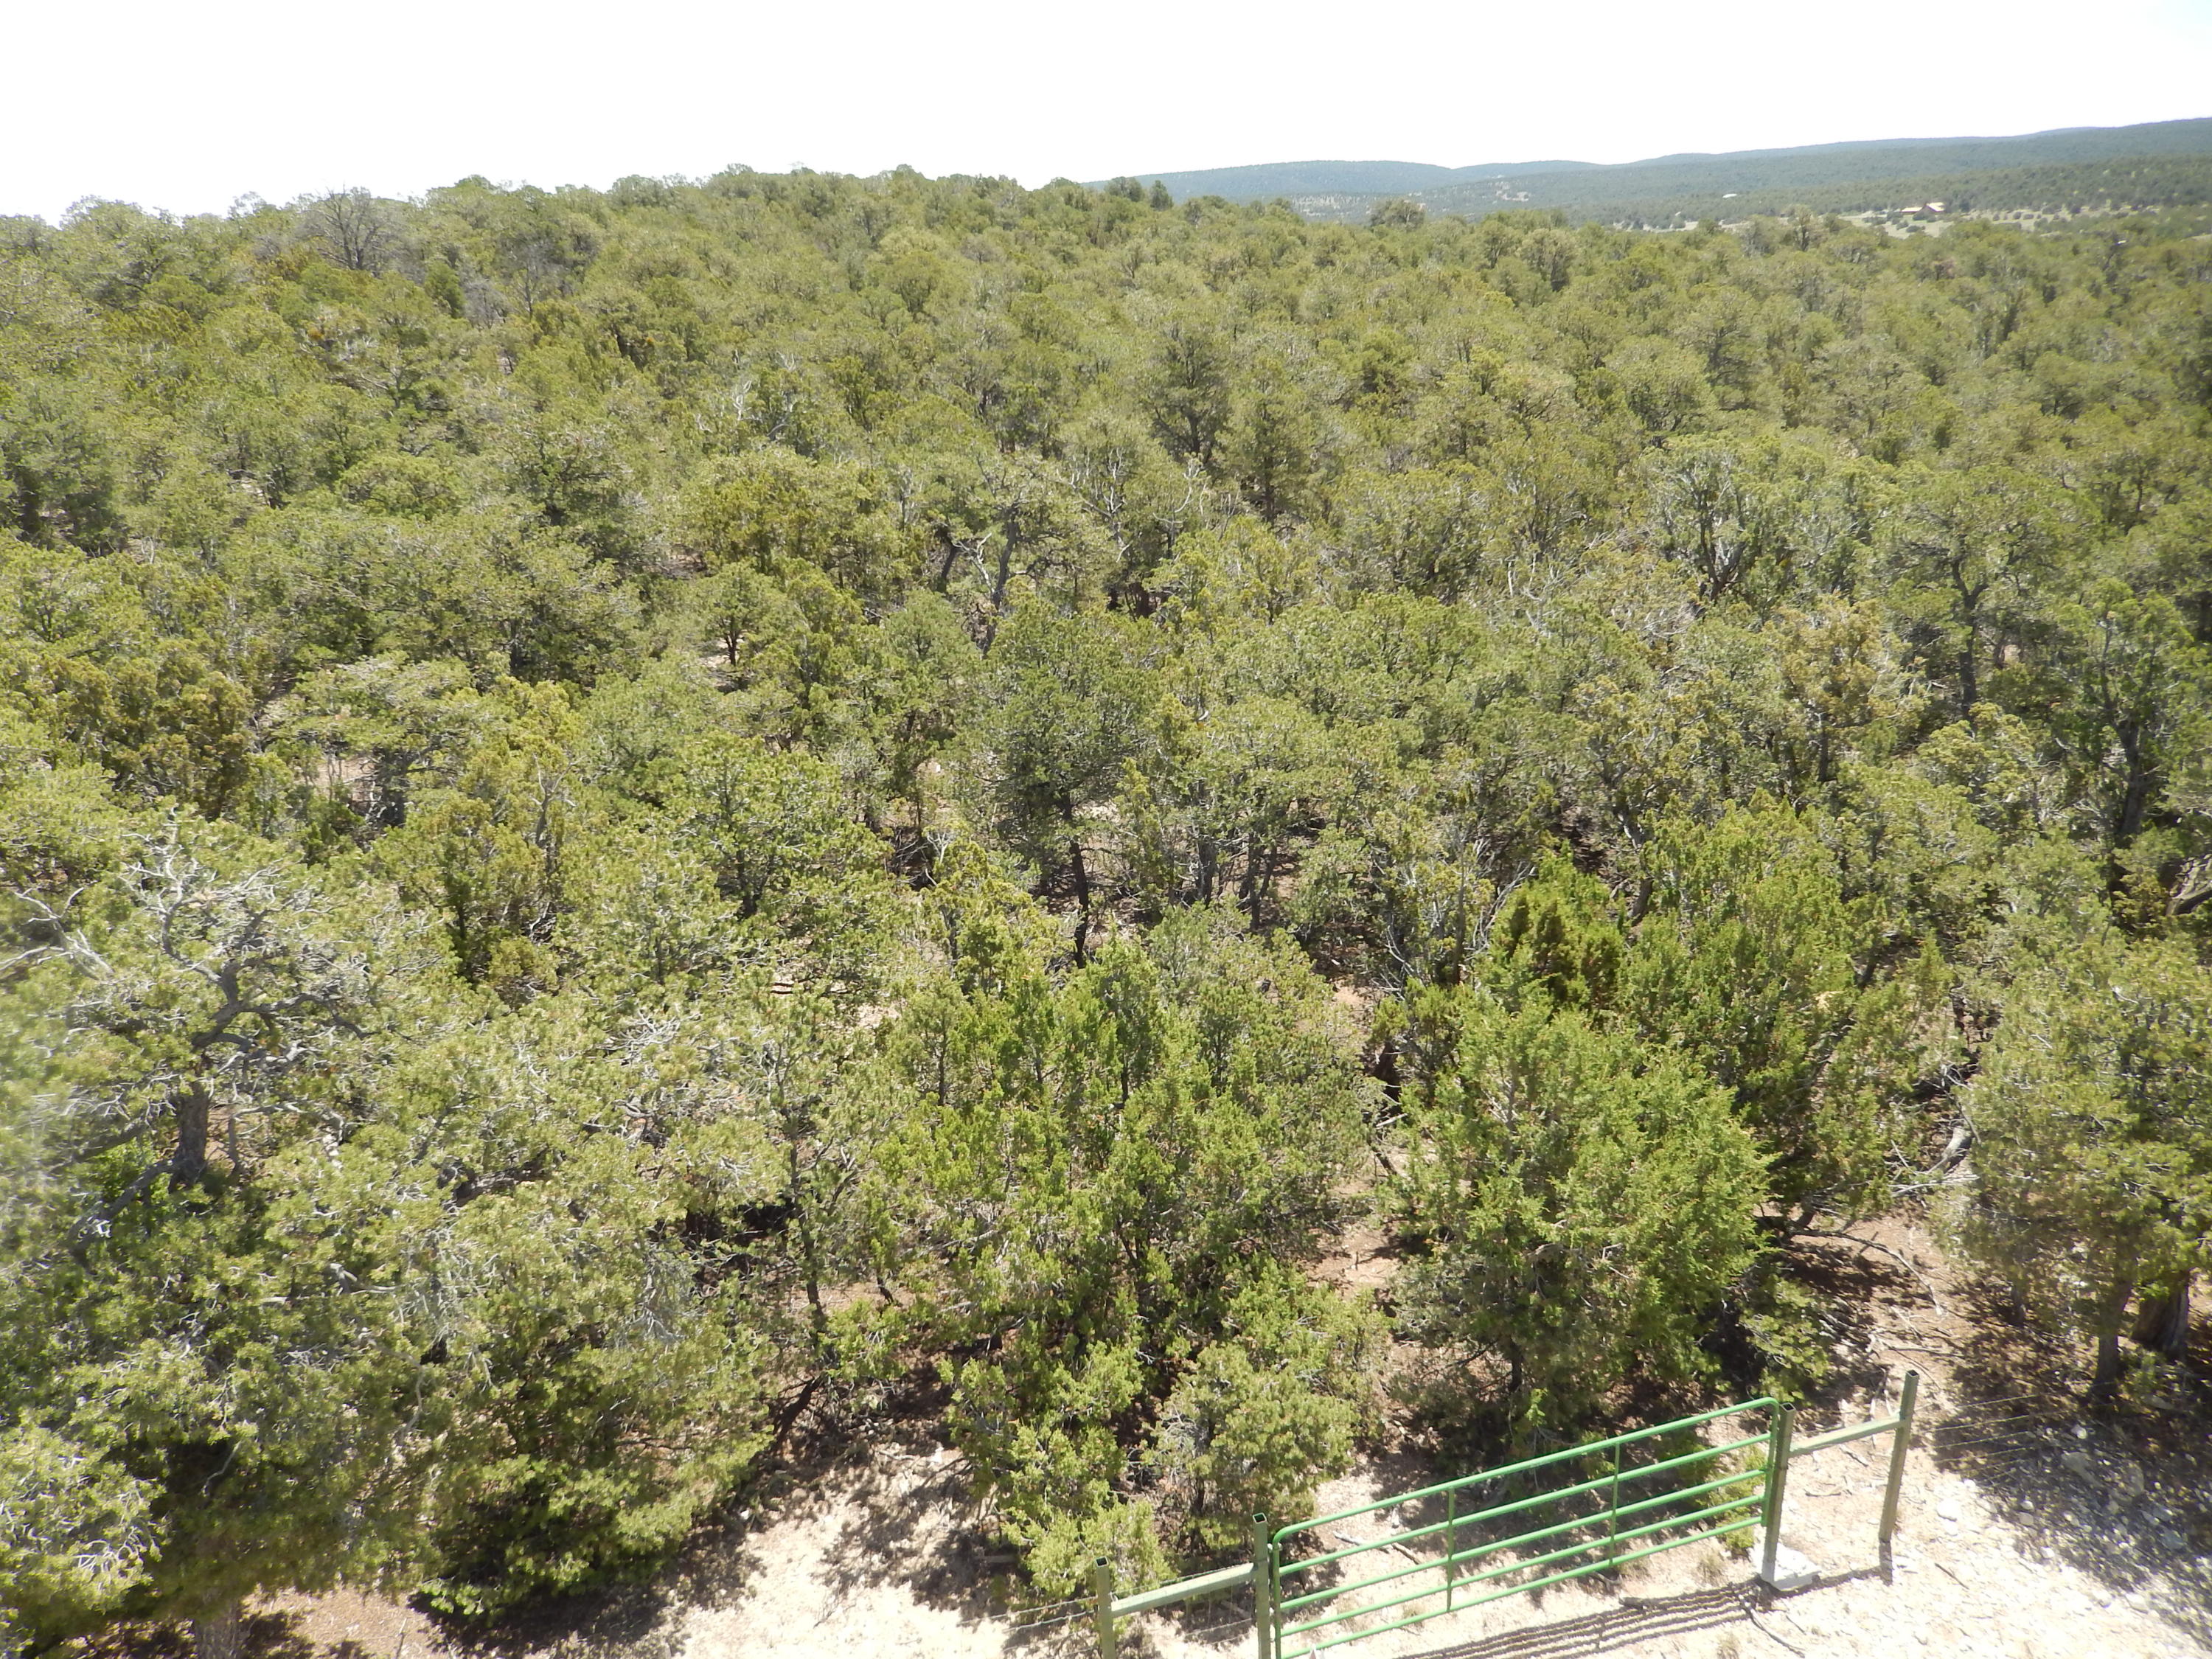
point(2029, 1529)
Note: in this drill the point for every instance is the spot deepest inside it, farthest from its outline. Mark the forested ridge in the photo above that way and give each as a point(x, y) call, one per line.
point(1802, 166)
point(634, 819)
point(2156, 164)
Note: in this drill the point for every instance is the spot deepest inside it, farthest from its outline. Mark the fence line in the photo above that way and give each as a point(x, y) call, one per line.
point(1738, 1492)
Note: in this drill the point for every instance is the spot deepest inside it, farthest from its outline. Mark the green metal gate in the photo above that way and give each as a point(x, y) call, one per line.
point(1465, 1575)
point(1618, 1511)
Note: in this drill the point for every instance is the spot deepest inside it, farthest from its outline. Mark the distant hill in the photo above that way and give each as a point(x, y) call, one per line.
point(1842, 177)
point(1271, 179)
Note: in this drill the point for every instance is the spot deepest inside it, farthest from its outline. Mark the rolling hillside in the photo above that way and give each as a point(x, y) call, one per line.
point(2157, 163)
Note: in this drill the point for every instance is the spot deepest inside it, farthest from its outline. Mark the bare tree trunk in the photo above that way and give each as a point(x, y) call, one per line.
point(2142, 776)
point(809, 1260)
point(188, 1164)
point(1082, 902)
point(2110, 1316)
point(1003, 577)
point(1259, 881)
point(2162, 1326)
point(2106, 1381)
point(220, 1633)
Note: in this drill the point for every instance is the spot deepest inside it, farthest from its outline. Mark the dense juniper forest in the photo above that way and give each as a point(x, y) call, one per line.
point(631, 819)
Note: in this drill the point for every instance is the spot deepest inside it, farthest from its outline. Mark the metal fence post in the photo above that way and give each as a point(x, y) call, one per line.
point(1777, 1478)
point(1451, 1545)
point(1101, 1589)
point(1263, 1588)
point(1613, 1515)
point(1901, 1443)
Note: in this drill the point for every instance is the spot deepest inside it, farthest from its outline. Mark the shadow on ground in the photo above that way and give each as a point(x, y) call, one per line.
point(1622, 1624)
point(952, 1567)
point(2122, 1493)
point(1855, 1280)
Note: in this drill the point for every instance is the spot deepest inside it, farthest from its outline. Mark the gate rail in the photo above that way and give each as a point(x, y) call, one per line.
point(1745, 1499)
point(1454, 1558)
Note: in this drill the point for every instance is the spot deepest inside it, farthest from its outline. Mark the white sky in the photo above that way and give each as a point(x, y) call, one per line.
point(189, 105)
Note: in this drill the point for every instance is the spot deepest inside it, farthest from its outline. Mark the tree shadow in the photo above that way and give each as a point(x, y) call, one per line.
point(951, 1566)
point(133, 1640)
point(271, 1634)
point(719, 1565)
point(630, 1621)
point(2121, 1493)
point(1621, 1624)
point(1851, 1282)
point(277, 1635)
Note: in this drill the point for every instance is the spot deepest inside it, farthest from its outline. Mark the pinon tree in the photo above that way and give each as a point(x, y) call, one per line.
point(204, 1373)
point(1750, 963)
point(2092, 1117)
point(1580, 1205)
point(316, 1266)
point(1069, 702)
point(1096, 1201)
